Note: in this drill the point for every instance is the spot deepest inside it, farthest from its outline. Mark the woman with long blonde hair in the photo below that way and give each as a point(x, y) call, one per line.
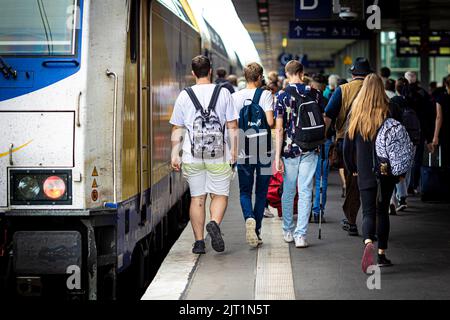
point(370, 109)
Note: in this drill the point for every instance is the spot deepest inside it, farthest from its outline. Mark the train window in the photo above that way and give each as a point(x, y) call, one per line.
point(40, 27)
point(176, 7)
point(134, 30)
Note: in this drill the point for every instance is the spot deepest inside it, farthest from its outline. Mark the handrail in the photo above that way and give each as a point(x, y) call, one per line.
point(11, 146)
point(116, 91)
point(78, 109)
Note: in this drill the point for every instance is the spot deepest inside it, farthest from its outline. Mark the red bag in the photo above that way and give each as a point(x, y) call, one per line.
point(275, 191)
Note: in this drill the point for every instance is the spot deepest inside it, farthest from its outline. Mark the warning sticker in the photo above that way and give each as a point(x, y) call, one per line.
point(94, 184)
point(94, 195)
point(94, 172)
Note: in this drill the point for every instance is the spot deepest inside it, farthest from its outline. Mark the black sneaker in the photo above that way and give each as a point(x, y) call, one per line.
point(316, 218)
point(402, 204)
point(199, 247)
point(345, 225)
point(217, 242)
point(383, 261)
point(353, 230)
point(343, 192)
point(392, 210)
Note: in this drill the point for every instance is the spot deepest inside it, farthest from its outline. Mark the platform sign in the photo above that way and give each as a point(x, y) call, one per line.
point(313, 9)
point(328, 30)
point(410, 44)
point(284, 58)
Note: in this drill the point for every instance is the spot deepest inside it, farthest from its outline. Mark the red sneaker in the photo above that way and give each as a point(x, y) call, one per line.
point(367, 258)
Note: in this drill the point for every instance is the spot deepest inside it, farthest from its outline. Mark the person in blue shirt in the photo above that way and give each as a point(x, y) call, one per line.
point(298, 166)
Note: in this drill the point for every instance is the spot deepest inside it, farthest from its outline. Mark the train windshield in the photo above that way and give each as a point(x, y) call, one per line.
point(38, 27)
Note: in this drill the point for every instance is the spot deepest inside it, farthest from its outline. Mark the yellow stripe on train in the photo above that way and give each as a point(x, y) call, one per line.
point(4, 154)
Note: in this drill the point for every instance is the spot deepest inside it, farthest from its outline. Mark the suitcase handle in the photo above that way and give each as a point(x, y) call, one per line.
point(439, 159)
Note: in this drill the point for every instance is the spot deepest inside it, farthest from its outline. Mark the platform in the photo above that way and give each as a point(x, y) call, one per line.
point(328, 269)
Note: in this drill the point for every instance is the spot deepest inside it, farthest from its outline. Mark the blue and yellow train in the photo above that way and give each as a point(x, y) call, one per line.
point(87, 197)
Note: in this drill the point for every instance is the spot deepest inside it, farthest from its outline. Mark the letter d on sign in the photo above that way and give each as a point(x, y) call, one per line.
point(74, 280)
point(303, 6)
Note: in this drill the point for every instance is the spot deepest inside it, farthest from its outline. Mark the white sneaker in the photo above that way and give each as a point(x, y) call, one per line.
point(251, 236)
point(267, 213)
point(300, 242)
point(288, 236)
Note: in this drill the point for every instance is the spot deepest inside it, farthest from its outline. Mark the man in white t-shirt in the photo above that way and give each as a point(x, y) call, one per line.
point(248, 164)
point(201, 116)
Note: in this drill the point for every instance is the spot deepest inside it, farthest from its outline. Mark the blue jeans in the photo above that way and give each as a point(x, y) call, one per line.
point(326, 169)
point(402, 186)
point(246, 174)
point(298, 173)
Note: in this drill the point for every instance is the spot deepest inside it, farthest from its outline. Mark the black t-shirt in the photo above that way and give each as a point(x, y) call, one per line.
point(396, 107)
point(444, 101)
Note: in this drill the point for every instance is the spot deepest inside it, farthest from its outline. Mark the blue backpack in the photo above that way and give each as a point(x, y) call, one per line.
point(253, 122)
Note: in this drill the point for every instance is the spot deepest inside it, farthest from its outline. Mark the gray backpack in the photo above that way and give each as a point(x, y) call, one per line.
point(394, 151)
point(207, 141)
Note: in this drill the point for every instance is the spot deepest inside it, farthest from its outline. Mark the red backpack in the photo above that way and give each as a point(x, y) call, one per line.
point(275, 191)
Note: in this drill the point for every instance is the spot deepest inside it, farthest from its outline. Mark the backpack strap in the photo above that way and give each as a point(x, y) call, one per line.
point(215, 97)
point(349, 111)
point(194, 99)
point(257, 96)
point(293, 92)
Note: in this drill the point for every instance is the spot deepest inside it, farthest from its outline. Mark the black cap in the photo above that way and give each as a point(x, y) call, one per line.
point(361, 67)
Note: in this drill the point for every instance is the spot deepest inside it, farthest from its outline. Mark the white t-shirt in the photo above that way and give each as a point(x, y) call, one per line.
point(266, 102)
point(184, 114)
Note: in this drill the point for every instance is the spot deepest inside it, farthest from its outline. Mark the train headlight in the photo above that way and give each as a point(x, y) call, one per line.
point(28, 188)
point(40, 187)
point(54, 187)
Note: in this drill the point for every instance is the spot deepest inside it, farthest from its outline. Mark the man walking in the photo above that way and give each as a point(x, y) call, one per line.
point(338, 109)
point(200, 116)
point(297, 165)
point(253, 102)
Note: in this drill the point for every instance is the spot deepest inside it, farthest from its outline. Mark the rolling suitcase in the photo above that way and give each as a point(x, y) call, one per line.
point(435, 183)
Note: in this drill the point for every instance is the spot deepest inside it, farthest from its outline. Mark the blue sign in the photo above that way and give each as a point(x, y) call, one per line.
point(284, 58)
point(313, 9)
point(328, 30)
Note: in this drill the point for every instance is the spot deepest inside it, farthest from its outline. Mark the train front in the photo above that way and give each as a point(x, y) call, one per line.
point(41, 81)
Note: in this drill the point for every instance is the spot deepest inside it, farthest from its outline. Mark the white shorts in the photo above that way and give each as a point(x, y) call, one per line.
point(204, 178)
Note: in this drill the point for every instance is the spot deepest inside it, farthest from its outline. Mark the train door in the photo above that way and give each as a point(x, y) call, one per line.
point(144, 108)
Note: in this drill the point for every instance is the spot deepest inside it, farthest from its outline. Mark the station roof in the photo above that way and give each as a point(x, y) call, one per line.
point(268, 41)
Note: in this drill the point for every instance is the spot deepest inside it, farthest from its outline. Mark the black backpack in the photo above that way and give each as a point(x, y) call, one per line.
point(207, 141)
point(253, 122)
point(409, 119)
point(309, 129)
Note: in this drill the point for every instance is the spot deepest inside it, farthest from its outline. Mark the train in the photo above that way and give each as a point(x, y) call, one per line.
point(88, 200)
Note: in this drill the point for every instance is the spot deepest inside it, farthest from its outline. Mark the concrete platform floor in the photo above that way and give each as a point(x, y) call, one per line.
point(329, 269)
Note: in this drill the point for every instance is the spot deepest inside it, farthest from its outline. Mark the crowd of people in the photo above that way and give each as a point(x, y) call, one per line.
point(375, 130)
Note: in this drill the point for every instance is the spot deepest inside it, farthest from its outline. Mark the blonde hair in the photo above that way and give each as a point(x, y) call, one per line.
point(369, 109)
